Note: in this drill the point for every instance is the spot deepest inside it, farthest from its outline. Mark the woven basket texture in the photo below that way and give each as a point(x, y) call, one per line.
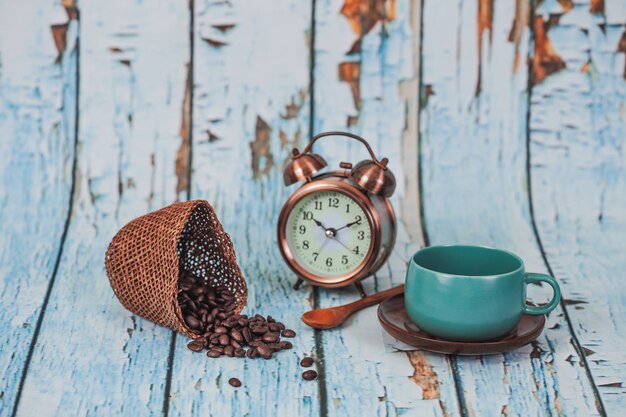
point(147, 256)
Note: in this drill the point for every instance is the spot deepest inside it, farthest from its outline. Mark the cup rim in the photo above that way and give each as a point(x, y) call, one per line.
point(520, 268)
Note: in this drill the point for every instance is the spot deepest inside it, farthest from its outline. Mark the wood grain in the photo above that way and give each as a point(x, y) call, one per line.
point(93, 357)
point(37, 131)
point(361, 379)
point(577, 129)
point(250, 107)
point(474, 189)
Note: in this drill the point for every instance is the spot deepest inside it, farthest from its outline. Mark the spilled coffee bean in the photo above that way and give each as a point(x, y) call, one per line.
point(309, 375)
point(210, 312)
point(234, 382)
point(288, 333)
point(306, 362)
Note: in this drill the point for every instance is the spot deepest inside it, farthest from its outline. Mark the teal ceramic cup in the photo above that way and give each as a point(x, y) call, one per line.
point(470, 293)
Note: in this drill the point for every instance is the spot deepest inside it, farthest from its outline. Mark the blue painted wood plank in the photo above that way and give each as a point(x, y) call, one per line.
point(250, 107)
point(37, 119)
point(474, 188)
point(376, 96)
point(578, 166)
point(92, 356)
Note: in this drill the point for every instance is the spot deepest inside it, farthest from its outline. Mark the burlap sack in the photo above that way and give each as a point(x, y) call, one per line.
point(147, 256)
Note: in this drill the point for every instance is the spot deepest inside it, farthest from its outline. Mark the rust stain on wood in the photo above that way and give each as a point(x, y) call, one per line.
point(350, 72)
point(597, 6)
point(224, 27)
point(611, 385)
point(183, 154)
point(364, 14)
point(262, 158)
point(293, 108)
point(424, 376)
point(215, 42)
point(59, 30)
point(545, 61)
point(566, 5)
point(621, 47)
point(520, 23)
point(485, 24)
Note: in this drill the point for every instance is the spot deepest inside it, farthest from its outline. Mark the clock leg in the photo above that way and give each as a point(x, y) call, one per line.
point(297, 284)
point(359, 287)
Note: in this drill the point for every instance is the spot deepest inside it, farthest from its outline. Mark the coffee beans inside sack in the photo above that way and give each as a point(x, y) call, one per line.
point(210, 313)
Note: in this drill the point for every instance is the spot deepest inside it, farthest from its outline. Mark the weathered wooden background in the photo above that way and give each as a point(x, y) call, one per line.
point(504, 122)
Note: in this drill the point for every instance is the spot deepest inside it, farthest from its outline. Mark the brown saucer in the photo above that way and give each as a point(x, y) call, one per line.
point(394, 319)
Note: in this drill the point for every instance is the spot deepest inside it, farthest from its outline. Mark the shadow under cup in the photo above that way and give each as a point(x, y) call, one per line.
point(470, 293)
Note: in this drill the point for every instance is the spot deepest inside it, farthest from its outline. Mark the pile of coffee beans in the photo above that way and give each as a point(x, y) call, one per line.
point(210, 312)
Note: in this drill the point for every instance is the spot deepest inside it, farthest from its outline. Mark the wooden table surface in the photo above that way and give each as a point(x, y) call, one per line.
point(504, 123)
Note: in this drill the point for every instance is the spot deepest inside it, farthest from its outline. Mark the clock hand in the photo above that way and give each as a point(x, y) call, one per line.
point(317, 222)
point(348, 225)
point(341, 243)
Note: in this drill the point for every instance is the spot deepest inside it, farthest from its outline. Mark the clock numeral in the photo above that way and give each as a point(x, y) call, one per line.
point(344, 259)
point(333, 202)
point(315, 255)
point(302, 229)
point(305, 244)
point(356, 250)
point(318, 205)
point(347, 208)
point(357, 219)
point(329, 261)
point(361, 235)
point(308, 215)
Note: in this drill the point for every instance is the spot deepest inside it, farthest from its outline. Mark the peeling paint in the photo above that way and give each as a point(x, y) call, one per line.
point(350, 72)
point(621, 47)
point(59, 30)
point(184, 151)
point(215, 42)
point(597, 6)
point(363, 16)
point(424, 376)
point(545, 61)
point(262, 158)
point(485, 23)
point(520, 23)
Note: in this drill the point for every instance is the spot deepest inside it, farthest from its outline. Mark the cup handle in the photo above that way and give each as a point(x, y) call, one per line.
point(530, 277)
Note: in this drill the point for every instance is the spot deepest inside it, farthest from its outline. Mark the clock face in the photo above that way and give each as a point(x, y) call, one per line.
point(328, 233)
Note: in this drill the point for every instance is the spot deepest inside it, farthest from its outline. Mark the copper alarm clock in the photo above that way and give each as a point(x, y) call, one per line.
point(339, 227)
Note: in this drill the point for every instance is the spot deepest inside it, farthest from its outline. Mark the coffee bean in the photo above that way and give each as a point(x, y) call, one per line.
point(235, 344)
point(240, 353)
point(270, 337)
point(252, 353)
point(306, 362)
point(220, 330)
point(264, 352)
point(274, 327)
point(196, 345)
point(234, 382)
point(214, 354)
point(309, 375)
point(235, 335)
point(224, 340)
point(285, 345)
point(261, 329)
point(280, 325)
point(247, 334)
point(288, 333)
point(193, 322)
point(229, 351)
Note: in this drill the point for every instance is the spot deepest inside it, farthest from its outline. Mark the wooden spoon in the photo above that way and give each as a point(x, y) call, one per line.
point(327, 318)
